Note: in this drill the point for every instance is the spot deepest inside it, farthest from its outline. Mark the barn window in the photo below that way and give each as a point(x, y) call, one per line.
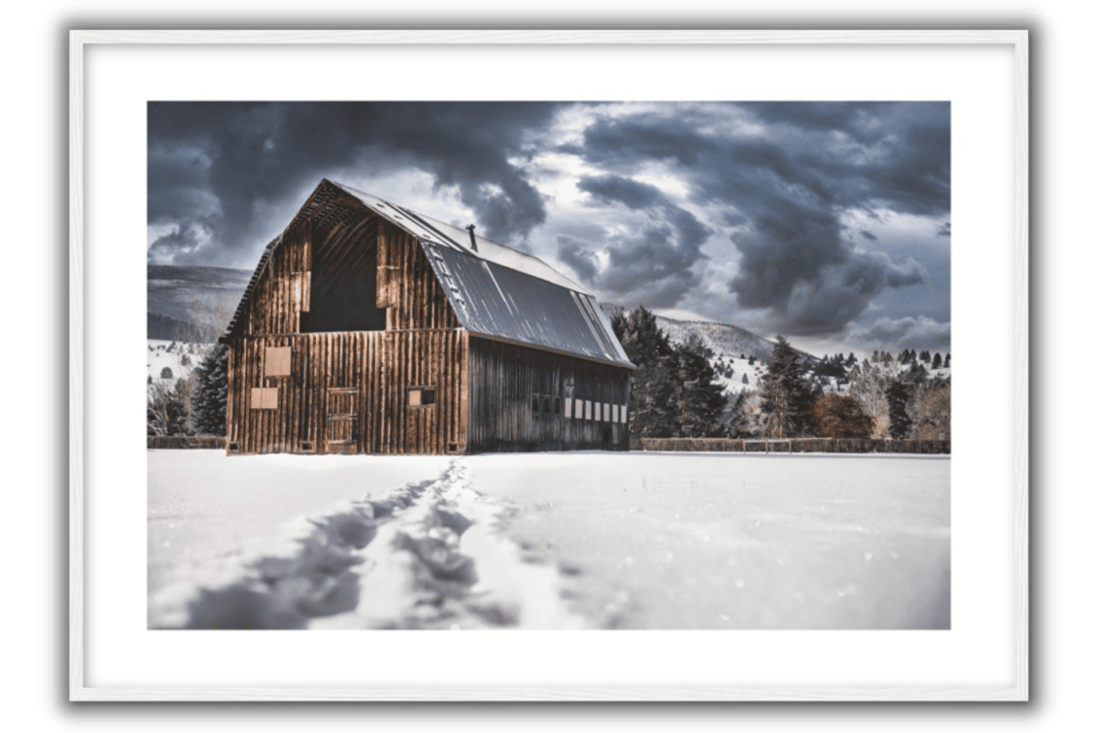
point(588, 409)
point(557, 405)
point(535, 403)
point(421, 396)
point(568, 407)
point(614, 413)
point(606, 412)
point(265, 398)
point(622, 413)
point(277, 361)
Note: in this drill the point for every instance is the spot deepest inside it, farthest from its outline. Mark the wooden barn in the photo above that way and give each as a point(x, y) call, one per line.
point(369, 328)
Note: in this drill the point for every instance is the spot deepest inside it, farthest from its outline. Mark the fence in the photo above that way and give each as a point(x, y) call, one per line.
point(185, 441)
point(792, 445)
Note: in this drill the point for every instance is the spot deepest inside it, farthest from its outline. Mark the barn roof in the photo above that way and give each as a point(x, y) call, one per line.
point(496, 291)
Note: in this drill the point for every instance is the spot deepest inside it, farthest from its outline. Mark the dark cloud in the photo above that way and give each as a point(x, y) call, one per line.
point(578, 254)
point(790, 176)
point(910, 332)
point(179, 247)
point(245, 157)
point(656, 259)
point(616, 189)
point(868, 235)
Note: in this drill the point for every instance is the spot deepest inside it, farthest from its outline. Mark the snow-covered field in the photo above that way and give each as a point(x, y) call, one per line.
point(549, 540)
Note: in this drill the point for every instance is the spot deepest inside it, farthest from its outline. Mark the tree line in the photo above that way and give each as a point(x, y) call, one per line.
point(675, 391)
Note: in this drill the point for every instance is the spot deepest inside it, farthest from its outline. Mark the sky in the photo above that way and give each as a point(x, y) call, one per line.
point(826, 222)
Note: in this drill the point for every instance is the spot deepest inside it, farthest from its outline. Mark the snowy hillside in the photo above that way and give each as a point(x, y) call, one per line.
point(721, 338)
point(181, 295)
point(177, 357)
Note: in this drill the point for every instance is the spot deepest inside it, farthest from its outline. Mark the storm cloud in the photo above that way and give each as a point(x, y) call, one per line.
point(809, 219)
point(217, 167)
point(790, 171)
point(911, 332)
point(655, 258)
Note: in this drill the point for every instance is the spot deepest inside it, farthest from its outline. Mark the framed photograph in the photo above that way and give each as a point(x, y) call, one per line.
point(985, 654)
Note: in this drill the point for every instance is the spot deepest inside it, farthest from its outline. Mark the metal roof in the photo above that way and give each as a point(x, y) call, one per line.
point(507, 304)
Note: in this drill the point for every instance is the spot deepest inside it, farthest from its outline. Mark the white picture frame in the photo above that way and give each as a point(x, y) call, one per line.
point(97, 55)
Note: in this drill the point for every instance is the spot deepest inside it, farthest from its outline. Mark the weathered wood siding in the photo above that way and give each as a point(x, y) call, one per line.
point(348, 393)
point(518, 401)
point(341, 268)
point(282, 291)
point(407, 285)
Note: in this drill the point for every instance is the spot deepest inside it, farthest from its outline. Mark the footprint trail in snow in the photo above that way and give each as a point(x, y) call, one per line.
point(427, 556)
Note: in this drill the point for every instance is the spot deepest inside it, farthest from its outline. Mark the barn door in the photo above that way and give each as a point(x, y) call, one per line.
point(342, 422)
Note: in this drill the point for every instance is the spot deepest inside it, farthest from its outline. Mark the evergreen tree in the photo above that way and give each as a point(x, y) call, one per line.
point(897, 395)
point(653, 388)
point(937, 361)
point(211, 389)
point(700, 400)
point(165, 373)
point(786, 397)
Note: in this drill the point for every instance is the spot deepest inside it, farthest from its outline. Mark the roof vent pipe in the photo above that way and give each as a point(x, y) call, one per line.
point(473, 242)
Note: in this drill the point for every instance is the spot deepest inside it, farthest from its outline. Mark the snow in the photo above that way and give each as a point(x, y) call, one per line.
point(549, 540)
point(161, 354)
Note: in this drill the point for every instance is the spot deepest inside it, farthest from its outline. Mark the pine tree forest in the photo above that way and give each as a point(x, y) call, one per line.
point(885, 396)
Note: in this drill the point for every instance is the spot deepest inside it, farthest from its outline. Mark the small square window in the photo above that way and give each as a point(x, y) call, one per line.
point(421, 396)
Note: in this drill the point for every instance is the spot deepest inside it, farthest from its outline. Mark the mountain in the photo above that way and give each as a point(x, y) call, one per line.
point(721, 338)
point(199, 300)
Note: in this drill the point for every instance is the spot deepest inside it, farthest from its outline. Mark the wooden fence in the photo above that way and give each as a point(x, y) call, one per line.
point(185, 441)
point(793, 445)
